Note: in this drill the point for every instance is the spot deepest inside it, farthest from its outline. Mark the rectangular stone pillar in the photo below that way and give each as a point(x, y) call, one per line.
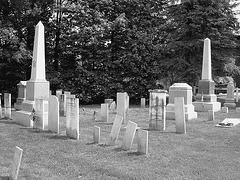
point(53, 114)
point(41, 108)
point(142, 141)
point(157, 110)
point(7, 105)
point(96, 134)
point(122, 105)
point(63, 105)
point(180, 115)
point(104, 112)
point(143, 100)
point(72, 118)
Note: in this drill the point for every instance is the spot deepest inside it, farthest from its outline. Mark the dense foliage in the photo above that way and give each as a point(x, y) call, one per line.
point(95, 48)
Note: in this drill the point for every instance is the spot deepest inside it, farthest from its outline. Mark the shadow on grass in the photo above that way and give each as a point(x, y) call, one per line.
point(7, 121)
point(136, 154)
point(118, 149)
point(91, 143)
point(60, 137)
point(106, 123)
point(5, 178)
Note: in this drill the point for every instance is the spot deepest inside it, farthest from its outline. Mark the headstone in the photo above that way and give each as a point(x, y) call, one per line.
point(238, 109)
point(7, 105)
point(122, 105)
point(157, 110)
point(96, 134)
point(180, 115)
point(104, 112)
point(115, 130)
point(230, 100)
point(63, 105)
point(108, 101)
point(206, 99)
point(37, 87)
point(142, 141)
point(59, 93)
point(41, 108)
point(1, 115)
point(194, 90)
point(112, 106)
point(53, 114)
point(143, 101)
point(16, 163)
point(127, 103)
point(210, 115)
point(72, 117)
point(129, 135)
point(181, 90)
point(67, 93)
point(236, 94)
point(224, 109)
point(21, 94)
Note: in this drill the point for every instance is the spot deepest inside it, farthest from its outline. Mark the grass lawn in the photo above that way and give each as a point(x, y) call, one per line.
point(205, 152)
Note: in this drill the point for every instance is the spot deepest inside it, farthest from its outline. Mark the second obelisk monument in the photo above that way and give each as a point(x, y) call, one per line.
point(206, 99)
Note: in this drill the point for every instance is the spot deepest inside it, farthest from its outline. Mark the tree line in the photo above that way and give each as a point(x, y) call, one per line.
point(95, 48)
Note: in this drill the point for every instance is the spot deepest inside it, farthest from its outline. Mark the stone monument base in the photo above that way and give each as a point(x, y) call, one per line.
point(189, 112)
point(230, 103)
point(18, 104)
point(23, 118)
point(205, 106)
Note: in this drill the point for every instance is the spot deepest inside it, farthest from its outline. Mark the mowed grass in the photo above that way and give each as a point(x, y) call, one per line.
point(205, 152)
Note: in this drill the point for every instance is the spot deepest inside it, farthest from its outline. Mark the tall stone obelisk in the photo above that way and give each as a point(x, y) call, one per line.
point(37, 87)
point(206, 99)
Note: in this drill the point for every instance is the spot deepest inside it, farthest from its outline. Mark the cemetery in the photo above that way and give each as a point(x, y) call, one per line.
point(167, 130)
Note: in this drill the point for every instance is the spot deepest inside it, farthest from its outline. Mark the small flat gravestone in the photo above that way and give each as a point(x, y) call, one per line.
point(180, 115)
point(53, 114)
point(16, 163)
point(224, 109)
point(142, 141)
point(96, 134)
point(129, 135)
point(210, 115)
point(115, 130)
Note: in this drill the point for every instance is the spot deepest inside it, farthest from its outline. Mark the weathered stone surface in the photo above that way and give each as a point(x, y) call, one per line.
point(53, 114)
point(211, 115)
point(129, 135)
point(224, 109)
point(16, 163)
point(7, 105)
point(41, 108)
point(104, 112)
point(142, 141)
point(115, 130)
point(108, 101)
point(96, 134)
point(122, 105)
point(157, 110)
point(72, 117)
point(63, 105)
point(143, 102)
point(180, 115)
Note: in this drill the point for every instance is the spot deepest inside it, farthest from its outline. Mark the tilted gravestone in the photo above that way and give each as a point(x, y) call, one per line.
point(180, 115)
point(129, 135)
point(115, 130)
point(72, 117)
point(16, 163)
point(157, 109)
point(53, 114)
point(7, 105)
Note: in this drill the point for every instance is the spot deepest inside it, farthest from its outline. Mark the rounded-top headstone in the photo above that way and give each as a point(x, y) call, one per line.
point(180, 90)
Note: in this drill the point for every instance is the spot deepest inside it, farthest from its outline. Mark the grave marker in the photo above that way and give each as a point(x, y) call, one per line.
point(16, 163)
point(7, 105)
point(225, 109)
point(58, 93)
point(122, 105)
point(142, 141)
point(230, 101)
point(236, 94)
point(104, 112)
point(96, 134)
point(157, 110)
point(21, 94)
point(112, 106)
point(63, 105)
point(53, 114)
point(210, 115)
point(143, 101)
point(206, 99)
point(129, 135)
point(72, 117)
point(180, 115)
point(115, 130)
point(1, 115)
point(108, 101)
point(41, 108)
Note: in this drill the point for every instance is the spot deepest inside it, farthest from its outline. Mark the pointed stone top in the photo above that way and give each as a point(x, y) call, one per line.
point(207, 66)
point(40, 23)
